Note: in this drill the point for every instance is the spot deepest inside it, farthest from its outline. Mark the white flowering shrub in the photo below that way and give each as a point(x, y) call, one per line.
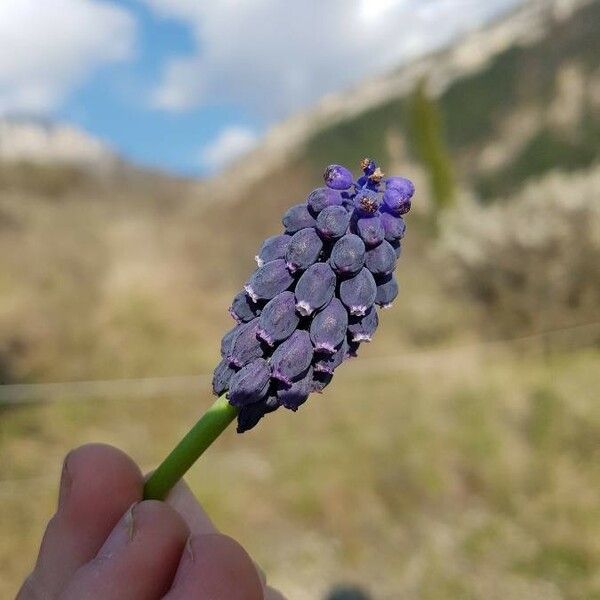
point(531, 261)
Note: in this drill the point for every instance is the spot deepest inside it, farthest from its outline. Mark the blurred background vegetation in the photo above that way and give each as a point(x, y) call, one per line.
point(457, 458)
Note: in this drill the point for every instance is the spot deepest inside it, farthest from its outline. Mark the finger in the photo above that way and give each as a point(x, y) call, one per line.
point(215, 567)
point(98, 484)
point(184, 502)
point(137, 561)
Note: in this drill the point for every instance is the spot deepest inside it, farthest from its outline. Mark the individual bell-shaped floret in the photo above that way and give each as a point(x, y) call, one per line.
point(333, 221)
point(315, 288)
point(328, 327)
point(321, 379)
point(292, 357)
point(328, 363)
point(250, 383)
point(347, 255)
point(398, 194)
point(367, 202)
point(278, 319)
point(361, 329)
point(245, 345)
point(358, 292)
point(273, 248)
point(393, 226)
point(381, 260)
point(227, 340)
point(338, 177)
point(387, 290)
point(298, 217)
point(250, 414)
point(304, 249)
point(370, 229)
point(268, 281)
point(296, 393)
point(222, 376)
point(322, 198)
point(243, 308)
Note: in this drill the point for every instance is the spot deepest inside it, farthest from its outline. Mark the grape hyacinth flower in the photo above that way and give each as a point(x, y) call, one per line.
point(312, 301)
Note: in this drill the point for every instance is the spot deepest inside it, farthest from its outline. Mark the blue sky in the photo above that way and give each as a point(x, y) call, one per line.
point(188, 85)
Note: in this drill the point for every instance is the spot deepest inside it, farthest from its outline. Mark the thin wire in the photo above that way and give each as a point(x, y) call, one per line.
point(155, 387)
point(37, 392)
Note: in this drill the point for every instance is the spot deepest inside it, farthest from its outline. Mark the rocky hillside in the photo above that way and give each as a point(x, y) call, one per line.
point(517, 98)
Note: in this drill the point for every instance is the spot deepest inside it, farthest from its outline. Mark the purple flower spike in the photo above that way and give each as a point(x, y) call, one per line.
point(348, 255)
point(358, 293)
point(393, 226)
point(361, 329)
point(322, 198)
point(294, 395)
point(243, 308)
point(292, 357)
point(250, 383)
point(222, 377)
point(298, 217)
point(304, 249)
point(245, 345)
point(337, 177)
point(278, 319)
point(381, 260)
point(273, 248)
point(315, 296)
point(268, 281)
point(387, 290)
point(333, 221)
point(315, 288)
point(328, 328)
point(370, 229)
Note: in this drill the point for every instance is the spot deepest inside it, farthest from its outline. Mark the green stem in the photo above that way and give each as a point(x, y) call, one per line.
point(211, 424)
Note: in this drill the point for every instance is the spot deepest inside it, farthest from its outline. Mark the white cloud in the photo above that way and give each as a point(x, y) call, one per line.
point(231, 143)
point(274, 57)
point(48, 47)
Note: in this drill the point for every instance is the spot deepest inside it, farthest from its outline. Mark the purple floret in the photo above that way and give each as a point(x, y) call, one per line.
point(245, 345)
point(328, 363)
point(292, 357)
point(333, 221)
point(315, 288)
point(269, 280)
point(370, 229)
point(278, 319)
point(243, 308)
point(250, 414)
point(296, 393)
point(222, 376)
point(273, 248)
point(250, 383)
point(337, 177)
point(304, 249)
point(358, 292)
point(348, 255)
point(398, 194)
point(328, 327)
point(393, 226)
point(381, 260)
point(298, 217)
point(362, 328)
point(322, 198)
point(387, 290)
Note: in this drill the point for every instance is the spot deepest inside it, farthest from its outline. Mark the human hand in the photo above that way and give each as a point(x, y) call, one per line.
point(105, 543)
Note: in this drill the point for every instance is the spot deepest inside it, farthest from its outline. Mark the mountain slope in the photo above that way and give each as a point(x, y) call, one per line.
point(518, 97)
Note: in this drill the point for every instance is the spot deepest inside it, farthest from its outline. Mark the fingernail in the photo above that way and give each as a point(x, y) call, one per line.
point(66, 480)
point(190, 549)
point(121, 535)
